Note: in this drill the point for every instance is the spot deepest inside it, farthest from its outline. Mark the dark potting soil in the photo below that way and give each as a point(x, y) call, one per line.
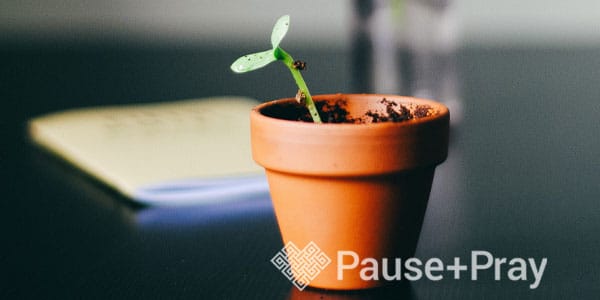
point(335, 112)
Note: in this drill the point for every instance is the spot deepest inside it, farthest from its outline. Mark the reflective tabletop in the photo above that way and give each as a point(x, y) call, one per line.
point(522, 180)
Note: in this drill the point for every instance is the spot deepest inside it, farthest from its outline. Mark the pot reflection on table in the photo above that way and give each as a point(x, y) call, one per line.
point(401, 290)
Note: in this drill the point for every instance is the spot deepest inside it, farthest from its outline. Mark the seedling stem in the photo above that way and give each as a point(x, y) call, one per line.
point(258, 60)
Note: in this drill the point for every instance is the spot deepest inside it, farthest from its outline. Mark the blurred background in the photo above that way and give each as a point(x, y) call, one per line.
point(154, 50)
point(103, 52)
point(327, 24)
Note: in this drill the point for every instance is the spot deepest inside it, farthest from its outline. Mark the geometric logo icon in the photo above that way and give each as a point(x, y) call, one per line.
point(306, 263)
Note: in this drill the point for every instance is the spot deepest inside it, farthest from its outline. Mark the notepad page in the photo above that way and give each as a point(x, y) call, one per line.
point(133, 146)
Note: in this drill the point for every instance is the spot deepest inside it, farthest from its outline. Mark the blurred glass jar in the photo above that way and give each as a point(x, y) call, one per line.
point(407, 47)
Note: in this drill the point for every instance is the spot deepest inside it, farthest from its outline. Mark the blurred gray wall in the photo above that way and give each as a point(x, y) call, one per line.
point(324, 23)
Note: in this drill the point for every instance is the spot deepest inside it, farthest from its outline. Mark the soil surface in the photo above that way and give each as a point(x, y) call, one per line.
point(335, 112)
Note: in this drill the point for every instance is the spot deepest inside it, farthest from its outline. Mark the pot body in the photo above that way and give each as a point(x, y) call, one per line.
point(349, 188)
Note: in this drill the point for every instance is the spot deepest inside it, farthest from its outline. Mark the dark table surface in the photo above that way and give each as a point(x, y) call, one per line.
point(522, 179)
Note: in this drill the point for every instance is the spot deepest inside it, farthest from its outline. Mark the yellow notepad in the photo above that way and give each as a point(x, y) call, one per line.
point(173, 153)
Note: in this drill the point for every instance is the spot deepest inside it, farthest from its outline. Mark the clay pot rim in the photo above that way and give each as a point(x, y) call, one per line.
point(282, 145)
point(442, 112)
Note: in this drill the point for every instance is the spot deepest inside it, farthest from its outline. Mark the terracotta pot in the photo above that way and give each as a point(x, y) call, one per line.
point(357, 187)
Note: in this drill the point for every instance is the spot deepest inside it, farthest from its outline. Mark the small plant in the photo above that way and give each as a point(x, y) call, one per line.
point(258, 60)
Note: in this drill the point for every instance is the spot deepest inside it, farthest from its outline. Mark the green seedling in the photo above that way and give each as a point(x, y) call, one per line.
point(258, 60)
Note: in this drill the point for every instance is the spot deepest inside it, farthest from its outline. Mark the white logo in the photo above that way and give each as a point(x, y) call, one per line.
point(306, 263)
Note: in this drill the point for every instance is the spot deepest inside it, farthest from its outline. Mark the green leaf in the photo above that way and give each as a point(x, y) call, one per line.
point(253, 61)
point(280, 30)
